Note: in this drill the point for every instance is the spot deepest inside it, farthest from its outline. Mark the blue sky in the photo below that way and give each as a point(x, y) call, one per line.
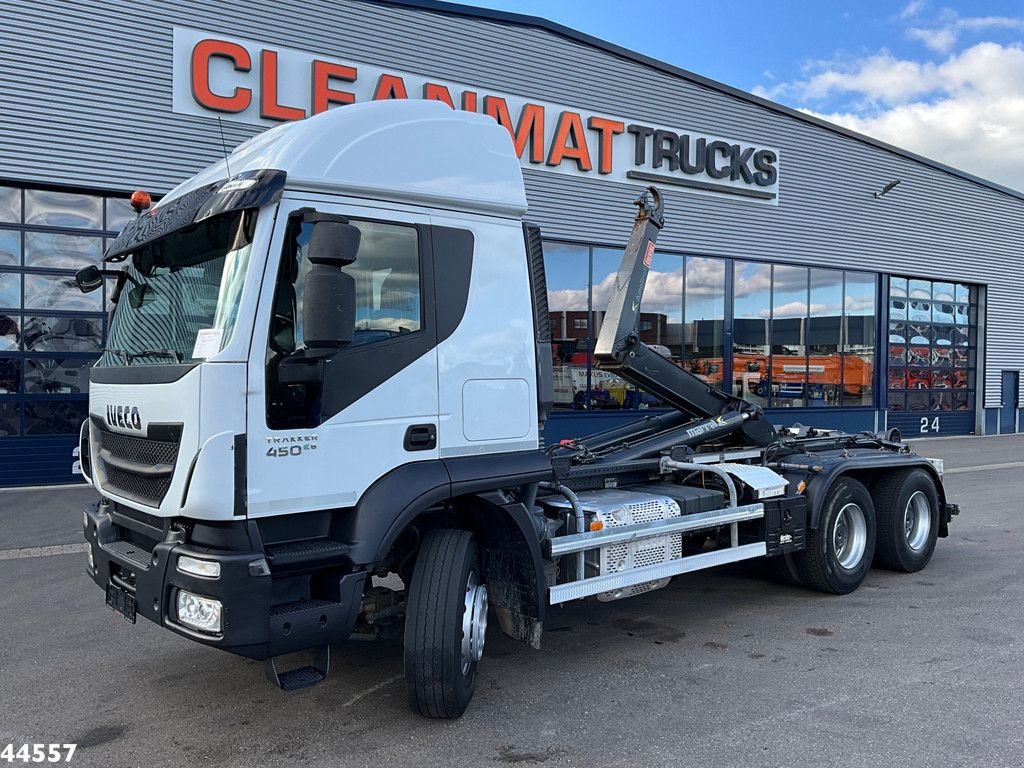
point(944, 79)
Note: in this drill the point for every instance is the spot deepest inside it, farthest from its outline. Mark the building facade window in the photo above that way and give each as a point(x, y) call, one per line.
point(932, 343)
point(50, 332)
point(798, 337)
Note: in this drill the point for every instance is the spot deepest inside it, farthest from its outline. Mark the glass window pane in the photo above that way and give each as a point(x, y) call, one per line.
point(10, 290)
point(824, 336)
point(62, 417)
point(608, 391)
point(660, 324)
point(63, 209)
point(789, 353)
point(10, 247)
point(119, 213)
point(54, 376)
point(10, 205)
point(963, 293)
point(54, 251)
point(704, 311)
point(10, 375)
point(566, 269)
point(10, 418)
point(859, 338)
point(898, 286)
point(10, 332)
point(752, 284)
point(59, 292)
point(63, 334)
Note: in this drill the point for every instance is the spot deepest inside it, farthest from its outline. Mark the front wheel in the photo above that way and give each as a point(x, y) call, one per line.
point(445, 624)
point(839, 551)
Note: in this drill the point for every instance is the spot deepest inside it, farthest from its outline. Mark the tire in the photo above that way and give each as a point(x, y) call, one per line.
point(440, 668)
point(840, 550)
point(907, 507)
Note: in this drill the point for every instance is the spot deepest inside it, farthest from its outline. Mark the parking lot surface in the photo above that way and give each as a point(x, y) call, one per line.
point(721, 668)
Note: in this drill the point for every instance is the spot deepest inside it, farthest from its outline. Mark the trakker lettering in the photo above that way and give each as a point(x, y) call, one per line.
point(217, 76)
point(124, 416)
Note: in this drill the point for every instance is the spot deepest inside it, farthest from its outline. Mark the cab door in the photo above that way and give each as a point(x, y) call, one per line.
point(324, 427)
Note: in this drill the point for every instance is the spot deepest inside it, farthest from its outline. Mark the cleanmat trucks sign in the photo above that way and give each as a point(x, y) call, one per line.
point(220, 76)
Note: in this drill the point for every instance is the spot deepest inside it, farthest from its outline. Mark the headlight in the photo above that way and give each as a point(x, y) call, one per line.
point(202, 613)
point(195, 567)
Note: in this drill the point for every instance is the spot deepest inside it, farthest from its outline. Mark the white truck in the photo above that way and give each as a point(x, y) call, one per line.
point(329, 361)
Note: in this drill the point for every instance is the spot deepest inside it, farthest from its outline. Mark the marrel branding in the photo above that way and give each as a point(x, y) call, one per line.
point(124, 416)
point(219, 76)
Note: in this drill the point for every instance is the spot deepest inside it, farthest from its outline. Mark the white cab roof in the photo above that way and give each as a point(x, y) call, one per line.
point(413, 151)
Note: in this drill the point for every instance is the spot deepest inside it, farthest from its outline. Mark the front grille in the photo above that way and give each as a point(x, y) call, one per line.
point(138, 468)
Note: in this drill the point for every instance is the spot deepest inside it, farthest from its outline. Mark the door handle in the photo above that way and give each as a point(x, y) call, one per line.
point(420, 437)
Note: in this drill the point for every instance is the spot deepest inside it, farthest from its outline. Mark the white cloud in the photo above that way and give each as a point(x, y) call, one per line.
point(911, 9)
point(943, 37)
point(965, 110)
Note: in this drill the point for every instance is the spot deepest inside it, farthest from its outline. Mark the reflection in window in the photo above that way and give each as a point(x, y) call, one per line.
point(10, 333)
point(119, 213)
point(10, 247)
point(59, 292)
point(56, 251)
point(10, 375)
point(63, 209)
point(50, 376)
point(10, 418)
point(786, 335)
point(930, 356)
point(61, 417)
point(859, 338)
point(824, 337)
point(63, 334)
point(10, 205)
point(704, 319)
point(10, 290)
point(752, 288)
point(566, 268)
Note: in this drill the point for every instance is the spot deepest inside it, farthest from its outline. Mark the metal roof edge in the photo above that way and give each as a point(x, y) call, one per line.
point(520, 19)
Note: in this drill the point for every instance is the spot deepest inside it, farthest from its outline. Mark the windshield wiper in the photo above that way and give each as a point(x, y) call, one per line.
point(129, 356)
point(174, 354)
point(120, 353)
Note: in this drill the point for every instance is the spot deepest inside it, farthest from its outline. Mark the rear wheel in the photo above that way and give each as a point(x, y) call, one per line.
point(908, 520)
point(839, 551)
point(445, 624)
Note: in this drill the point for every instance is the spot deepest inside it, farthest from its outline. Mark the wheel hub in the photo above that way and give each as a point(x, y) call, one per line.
point(849, 536)
point(917, 520)
point(474, 622)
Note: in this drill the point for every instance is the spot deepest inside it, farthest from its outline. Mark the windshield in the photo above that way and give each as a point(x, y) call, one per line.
point(180, 300)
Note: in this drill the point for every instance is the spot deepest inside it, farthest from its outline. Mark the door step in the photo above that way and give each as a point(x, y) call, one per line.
point(574, 590)
point(300, 677)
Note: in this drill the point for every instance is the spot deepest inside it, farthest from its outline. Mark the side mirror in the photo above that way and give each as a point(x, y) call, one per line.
point(88, 279)
point(328, 308)
point(333, 241)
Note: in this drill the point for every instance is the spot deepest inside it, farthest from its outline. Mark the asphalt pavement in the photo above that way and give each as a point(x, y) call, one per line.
point(721, 668)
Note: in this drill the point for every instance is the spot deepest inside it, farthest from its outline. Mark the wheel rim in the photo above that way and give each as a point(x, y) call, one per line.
point(474, 622)
point(917, 520)
point(849, 536)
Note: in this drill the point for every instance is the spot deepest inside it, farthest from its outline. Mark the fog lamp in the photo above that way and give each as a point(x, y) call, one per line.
point(196, 567)
point(202, 613)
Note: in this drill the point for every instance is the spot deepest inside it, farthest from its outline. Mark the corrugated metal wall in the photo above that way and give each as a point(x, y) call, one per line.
point(86, 100)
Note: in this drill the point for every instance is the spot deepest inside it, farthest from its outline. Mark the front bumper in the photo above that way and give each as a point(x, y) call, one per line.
point(135, 555)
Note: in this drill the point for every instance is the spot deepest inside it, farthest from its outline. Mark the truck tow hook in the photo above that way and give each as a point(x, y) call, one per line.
point(300, 677)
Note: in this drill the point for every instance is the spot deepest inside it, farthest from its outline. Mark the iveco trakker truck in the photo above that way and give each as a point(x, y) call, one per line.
point(329, 362)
